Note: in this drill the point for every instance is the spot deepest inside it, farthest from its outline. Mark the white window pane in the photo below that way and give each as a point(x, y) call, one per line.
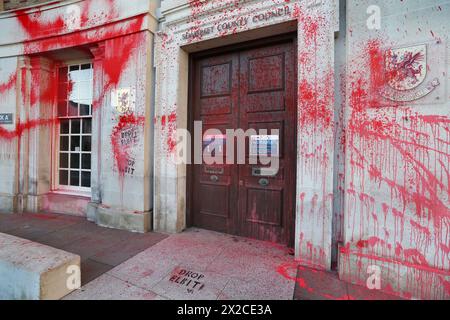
point(81, 75)
point(85, 91)
point(75, 92)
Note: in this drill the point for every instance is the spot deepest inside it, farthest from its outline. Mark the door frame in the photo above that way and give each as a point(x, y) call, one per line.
point(279, 39)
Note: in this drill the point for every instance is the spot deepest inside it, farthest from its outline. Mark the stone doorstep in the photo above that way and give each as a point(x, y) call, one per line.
point(32, 271)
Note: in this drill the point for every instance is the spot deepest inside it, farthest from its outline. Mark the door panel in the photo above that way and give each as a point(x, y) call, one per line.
point(252, 89)
point(215, 104)
point(266, 201)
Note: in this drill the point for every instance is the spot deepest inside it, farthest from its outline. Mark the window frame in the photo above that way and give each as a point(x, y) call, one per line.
point(56, 134)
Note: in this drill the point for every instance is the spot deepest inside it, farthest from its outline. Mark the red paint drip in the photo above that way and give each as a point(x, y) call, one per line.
point(315, 109)
point(9, 84)
point(35, 28)
point(20, 128)
point(115, 63)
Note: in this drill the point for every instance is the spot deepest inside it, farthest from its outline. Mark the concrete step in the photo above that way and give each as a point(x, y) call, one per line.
point(32, 271)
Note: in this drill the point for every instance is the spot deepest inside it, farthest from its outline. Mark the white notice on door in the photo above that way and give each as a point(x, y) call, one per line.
point(264, 145)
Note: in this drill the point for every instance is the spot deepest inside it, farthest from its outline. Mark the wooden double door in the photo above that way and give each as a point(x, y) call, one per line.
point(246, 89)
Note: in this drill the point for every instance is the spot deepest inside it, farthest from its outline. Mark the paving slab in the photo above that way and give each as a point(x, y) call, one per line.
point(128, 248)
point(187, 283)
point(29, 232)
point(319, 285)
point(60, 238)
point(10, 222)
point(88, 245)
point(143, 270)
point(70, 234)
point(48, 222)
point(277, 288)
point(192, 246)
point(108, 287)
point(92, 270)
point(234, 259)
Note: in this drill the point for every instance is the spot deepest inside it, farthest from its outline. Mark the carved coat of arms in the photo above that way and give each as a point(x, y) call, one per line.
point(406, 70)
point(123, 100)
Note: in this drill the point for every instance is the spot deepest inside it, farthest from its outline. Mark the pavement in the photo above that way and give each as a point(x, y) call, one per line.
point(193, 265)
point(197, 265)
point(100, 249)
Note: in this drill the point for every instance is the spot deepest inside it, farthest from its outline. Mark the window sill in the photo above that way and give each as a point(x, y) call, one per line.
point(83, 194)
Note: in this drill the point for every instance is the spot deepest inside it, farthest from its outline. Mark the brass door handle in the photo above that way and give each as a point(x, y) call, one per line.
point(214, 178)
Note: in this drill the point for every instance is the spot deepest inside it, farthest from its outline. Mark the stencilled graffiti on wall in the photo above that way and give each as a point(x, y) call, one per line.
point(124, 140)
point(126, 134)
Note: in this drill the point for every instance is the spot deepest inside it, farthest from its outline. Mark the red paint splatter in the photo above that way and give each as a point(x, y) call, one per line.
point(114, 63)
point(9, 84)
point(122, 152)
point(43, 87)
point(315, 108)
point(50, 34)
point(35, 27)
point(169, 124)
point(20, 128)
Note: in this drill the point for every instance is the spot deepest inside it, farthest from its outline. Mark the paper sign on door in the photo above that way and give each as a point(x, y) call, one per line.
point(264, 145)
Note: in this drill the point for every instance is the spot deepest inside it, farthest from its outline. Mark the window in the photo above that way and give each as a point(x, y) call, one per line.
point(74, 110)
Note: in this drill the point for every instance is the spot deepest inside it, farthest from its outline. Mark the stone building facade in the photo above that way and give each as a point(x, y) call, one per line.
point(96, 96)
